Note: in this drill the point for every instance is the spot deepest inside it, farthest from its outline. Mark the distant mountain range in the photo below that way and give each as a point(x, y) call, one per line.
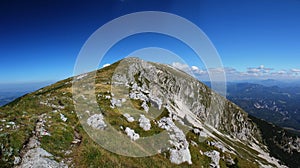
point(6, 97)
point(271, 82)
point(276, 104)
point(11, 91)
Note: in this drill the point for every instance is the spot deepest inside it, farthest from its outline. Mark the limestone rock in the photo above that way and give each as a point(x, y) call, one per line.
point(144, 123)
point(96, 121)
point(215, 158)
point(180, 153)
point(128, 117)
point(132, 135)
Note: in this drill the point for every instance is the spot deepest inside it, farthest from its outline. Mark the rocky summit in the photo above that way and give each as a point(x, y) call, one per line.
point(137, 99)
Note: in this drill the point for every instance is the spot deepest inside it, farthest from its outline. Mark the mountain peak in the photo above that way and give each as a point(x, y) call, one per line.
point(137, 101)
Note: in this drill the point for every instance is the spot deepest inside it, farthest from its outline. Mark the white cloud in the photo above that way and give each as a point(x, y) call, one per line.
point(217, 70)
point(181, 66)
point(253, 70)
point(105, 65)
point(295, 70)
point(194, 68)
point(198, 71)
point(281, 72)
point(260, 72)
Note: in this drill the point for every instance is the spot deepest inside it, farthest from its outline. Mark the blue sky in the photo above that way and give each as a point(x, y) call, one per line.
point(40, 40)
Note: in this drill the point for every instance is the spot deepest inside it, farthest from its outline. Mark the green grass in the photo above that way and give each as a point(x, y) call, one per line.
point(59, 141)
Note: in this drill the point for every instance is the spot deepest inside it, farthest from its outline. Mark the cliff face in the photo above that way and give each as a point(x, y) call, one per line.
point(138, 100)
point(185, 96)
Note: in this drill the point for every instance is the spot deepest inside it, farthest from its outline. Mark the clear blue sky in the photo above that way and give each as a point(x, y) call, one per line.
point(40, 40)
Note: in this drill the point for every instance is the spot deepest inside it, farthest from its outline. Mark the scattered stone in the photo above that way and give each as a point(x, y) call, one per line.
point(76, 141)
point(203, 134)
point(145, 106)
point(229, 161)
point(115, 103)
point(196, 131)
point(40, 130)
point(132, 135)
point(144, 123)
point(128, 117)
point(194, 143)
point(96, 121)
point(62, 117)
point(179, 156)
point(123, 100)
point(68, 152)
point(200, 133)
point(181, 153)
point(83, 96)
point(45, 133)
point(215, 158)
point(11, 123)
point(218, 145)
point(51, 105)
point(17, 160)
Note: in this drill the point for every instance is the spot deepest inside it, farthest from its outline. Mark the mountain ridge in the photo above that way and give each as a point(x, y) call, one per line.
point(223, 133)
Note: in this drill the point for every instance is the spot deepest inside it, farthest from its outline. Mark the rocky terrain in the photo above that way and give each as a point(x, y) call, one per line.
point(137, 99)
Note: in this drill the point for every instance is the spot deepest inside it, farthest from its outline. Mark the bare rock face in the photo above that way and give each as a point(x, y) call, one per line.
point(157, 84)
